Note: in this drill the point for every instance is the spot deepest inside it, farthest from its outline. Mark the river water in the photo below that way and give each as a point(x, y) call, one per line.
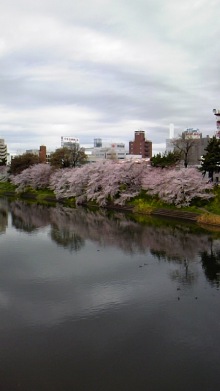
point(100, 301)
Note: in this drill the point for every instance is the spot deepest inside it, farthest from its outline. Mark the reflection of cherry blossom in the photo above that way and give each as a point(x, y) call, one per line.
point(172, 242)
point(29, 217)
point(67, 239)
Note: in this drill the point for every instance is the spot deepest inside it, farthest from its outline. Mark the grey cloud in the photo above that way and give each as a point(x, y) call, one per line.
point(119, 89)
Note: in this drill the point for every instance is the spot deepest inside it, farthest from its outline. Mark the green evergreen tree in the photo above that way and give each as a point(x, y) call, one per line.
point(210, 162)
point(168, 159)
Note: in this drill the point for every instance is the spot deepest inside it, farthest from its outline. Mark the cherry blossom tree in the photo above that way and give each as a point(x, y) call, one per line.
point(102, 182)
point(112, 182)
point(70, 182)
point(36, 177)
point(4, 173)
point(178, 187)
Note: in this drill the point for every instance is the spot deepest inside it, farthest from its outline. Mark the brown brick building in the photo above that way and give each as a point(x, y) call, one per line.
point(42, 154)
point(140, 146)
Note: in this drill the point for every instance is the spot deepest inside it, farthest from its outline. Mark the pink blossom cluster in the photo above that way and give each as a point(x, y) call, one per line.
point(36, 177)
point(100, 182)
point(177, 186)
point(114, 182)
point(4, 173)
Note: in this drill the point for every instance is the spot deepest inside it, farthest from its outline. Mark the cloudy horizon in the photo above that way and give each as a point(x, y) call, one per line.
point(105, 68)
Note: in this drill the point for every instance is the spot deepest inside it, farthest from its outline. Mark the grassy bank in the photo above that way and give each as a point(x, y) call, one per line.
point(208, 211)
point(9, 190)
point(146, 204)
point(7, 187)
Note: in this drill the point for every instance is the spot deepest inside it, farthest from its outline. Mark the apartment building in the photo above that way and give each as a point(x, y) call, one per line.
point(140, 145)
point(3, 151)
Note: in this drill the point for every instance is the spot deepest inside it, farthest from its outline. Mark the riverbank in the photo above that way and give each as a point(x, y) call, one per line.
point(141, 205)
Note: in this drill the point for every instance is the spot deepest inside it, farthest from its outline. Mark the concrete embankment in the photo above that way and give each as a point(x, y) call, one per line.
point(177, 214)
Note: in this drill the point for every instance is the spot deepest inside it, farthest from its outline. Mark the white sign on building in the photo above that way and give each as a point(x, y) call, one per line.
point(68, 140)
point(191, 133)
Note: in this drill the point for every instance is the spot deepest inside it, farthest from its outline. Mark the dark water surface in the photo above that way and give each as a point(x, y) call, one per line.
point(97, 302)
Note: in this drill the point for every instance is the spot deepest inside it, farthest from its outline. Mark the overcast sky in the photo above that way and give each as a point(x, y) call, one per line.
point(105, 68)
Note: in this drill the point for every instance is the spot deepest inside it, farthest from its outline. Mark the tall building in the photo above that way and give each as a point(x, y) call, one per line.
point(3, 151)
point(198, 147)
point(43, 154)
point(97, 142)
point(193, 144)
point(169, 141)
point(171, 131)
point(217, 115)
point(140, 146)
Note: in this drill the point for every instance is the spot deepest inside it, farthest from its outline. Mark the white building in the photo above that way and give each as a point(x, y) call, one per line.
point(3, 151)
point(114, 151)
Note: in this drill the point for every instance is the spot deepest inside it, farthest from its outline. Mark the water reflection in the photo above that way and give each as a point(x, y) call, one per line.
point(29, 217)
point(211, 265)
point(3, 216)
point(67, 239)
point(185, 274)
point(70, 228)
point(89, 300)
